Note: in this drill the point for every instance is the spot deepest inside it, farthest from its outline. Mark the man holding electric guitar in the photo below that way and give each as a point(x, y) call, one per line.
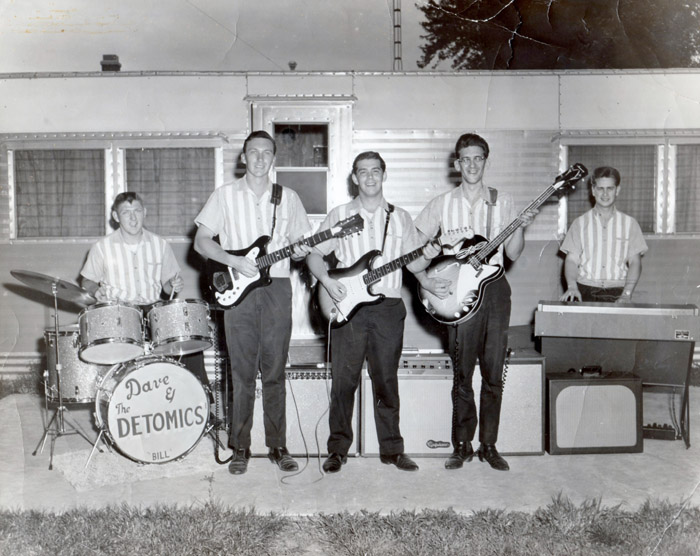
point(252, 216)
point(362, 299)
point(483, 332)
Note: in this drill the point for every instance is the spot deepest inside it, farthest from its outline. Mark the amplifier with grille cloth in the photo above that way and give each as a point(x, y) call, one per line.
point(594, 414)
point(308, 399)
point(425, 387)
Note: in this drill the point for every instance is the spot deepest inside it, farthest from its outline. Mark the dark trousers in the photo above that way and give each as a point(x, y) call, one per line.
point(484, 336)
point(258, 331)
point(605, 295)
point(374, 332)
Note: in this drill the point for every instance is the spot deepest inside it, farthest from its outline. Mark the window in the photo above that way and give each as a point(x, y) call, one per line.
point(302, 162)
point(59, 193)
point(687, 188)
point(174, 184)
point(637, 167)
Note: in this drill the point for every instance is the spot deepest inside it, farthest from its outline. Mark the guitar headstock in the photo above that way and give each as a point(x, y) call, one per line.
point(571, 176)
point(350, 225)
point(452, 238)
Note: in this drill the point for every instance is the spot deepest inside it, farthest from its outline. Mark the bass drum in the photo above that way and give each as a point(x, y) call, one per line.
point(152, 409)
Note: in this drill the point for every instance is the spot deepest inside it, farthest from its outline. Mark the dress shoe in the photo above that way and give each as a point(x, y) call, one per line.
point(239, 462)
point(281, 457)
point(489, 453)
point(462, 452)
point(334, 462)
point(402, 461)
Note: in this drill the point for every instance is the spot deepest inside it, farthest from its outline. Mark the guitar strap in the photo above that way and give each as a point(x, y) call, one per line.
point(275, 199)
point(386, 224)
point(493, 194)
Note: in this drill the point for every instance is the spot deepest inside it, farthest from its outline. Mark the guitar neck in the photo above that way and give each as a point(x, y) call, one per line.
point(377, 274)
point(492, 245)
point(268, 259)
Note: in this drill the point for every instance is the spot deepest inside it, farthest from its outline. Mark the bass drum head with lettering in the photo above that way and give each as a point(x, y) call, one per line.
point(152, 409)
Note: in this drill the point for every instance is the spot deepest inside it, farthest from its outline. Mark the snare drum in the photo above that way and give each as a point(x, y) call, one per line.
point(179, 327)
point(111, 333)
point(152, 409)
point(78, 379)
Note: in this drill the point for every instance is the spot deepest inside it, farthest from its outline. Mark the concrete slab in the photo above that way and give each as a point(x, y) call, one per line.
point(666, 470)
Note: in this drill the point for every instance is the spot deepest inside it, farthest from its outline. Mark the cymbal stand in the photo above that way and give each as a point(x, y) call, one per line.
point(56, 426)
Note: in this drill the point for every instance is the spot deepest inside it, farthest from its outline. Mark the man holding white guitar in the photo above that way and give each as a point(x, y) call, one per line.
point(478, 211)
point(366, 309)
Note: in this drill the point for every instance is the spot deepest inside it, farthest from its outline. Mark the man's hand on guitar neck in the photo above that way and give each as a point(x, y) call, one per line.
point(300, 251)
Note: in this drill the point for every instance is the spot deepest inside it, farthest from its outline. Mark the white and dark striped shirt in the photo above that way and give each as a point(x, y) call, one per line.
point(401, 238)
point(455, 215)
point(239, 217)
point(604, 247)
point(131, 273)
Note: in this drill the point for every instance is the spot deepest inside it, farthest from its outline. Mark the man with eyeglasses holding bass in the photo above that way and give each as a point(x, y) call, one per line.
point(476, 210)
point(603, 247)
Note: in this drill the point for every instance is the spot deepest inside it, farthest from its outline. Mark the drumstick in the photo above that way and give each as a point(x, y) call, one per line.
point(172, 291)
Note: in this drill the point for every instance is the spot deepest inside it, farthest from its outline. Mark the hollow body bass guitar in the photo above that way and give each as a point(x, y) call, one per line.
point(230, 286)
point(468, 270)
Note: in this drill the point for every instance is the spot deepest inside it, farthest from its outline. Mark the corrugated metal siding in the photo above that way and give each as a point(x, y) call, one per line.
point(420, 166)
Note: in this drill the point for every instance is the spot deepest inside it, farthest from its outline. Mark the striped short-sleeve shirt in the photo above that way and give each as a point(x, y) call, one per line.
point(401, 238)
point(131, 273)
point(455, 216)
point(239, 218)
point(604, 248)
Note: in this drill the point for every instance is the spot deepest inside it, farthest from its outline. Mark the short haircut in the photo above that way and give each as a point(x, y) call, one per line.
point(260, 134)
point(471, 140)
point(604, 172)
point(368, 155)
point(126, 197)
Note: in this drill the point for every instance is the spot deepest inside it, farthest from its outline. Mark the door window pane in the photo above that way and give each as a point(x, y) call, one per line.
point(302, 162)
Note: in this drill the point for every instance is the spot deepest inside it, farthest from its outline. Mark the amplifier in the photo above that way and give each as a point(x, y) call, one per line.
point(592, 415)
point(425, 387)
point(308, 401)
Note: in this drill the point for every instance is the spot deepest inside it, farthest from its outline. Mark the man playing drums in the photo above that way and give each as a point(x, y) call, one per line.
point(131, 264)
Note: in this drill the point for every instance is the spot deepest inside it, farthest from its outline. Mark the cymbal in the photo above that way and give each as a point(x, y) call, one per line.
point(66, 291)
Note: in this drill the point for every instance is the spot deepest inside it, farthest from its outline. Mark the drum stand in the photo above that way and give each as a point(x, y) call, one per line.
point(56, 426)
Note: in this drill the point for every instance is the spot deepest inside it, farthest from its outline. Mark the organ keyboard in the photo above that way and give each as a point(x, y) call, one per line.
point(635, 321)
point(653, 342)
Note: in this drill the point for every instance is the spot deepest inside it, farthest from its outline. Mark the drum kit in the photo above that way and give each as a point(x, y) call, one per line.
point(148, 405)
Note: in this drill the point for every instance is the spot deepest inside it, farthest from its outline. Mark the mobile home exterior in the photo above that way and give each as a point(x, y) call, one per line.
point(131, 125)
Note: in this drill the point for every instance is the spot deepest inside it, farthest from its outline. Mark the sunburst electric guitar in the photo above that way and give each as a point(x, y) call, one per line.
point(468, 269)
point(359, 278)
point(230, 286)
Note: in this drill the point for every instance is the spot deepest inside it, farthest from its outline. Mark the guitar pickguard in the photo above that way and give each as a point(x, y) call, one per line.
point(240, 284)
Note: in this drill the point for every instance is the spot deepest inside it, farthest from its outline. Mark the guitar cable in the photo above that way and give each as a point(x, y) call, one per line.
point(327, 381)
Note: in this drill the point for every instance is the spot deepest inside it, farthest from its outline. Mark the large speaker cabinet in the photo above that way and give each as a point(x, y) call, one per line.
point(592, 415)
point(425, 387)
point(308, 399)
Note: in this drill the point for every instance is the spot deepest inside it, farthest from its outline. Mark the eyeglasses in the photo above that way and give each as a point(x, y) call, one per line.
point(466, 161)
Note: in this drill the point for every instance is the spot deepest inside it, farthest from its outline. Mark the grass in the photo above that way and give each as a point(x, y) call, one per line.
point(656, 529)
